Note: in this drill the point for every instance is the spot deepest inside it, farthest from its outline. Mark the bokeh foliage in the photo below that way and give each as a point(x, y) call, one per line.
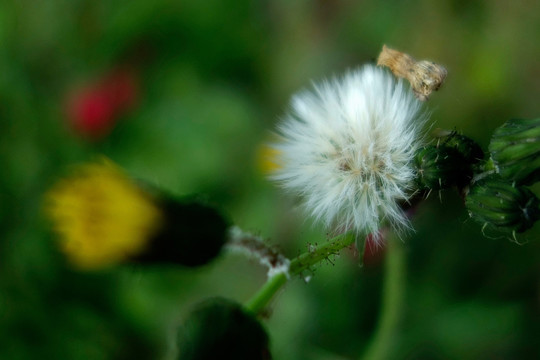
point(214, 78)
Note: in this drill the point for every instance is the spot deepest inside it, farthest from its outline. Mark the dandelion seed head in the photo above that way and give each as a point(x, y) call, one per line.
point(347, 148)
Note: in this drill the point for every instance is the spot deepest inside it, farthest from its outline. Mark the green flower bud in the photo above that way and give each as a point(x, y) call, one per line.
point(222, 329)
point(502, 206)
point(467, 147)
point(440, 168)
point(192, 235)
point(515, 150)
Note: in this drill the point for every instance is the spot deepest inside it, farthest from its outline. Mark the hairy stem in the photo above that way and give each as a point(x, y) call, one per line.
point(302, 262)
point(318, 254)
point(392, 299)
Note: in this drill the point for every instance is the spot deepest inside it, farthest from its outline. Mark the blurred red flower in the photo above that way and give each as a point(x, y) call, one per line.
point(94, 110)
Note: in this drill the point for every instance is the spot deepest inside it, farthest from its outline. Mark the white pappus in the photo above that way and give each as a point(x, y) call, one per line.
point(347, 146)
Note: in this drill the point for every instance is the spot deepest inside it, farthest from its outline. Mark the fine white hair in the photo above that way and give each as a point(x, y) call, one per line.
point(347, 146)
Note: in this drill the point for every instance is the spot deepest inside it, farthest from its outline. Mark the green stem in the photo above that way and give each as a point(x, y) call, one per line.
point(383, 340)
point(302, 262)
point(265, 294)
point(323, 252)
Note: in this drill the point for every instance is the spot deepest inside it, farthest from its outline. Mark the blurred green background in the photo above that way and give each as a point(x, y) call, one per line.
point(208, 81)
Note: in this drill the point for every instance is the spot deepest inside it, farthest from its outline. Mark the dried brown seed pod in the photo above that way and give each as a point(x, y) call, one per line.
point(424, 76)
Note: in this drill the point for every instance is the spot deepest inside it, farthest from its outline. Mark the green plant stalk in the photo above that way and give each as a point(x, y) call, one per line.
point(258, 302)
point(393, 294)
point(302, 262)
point(309, 258)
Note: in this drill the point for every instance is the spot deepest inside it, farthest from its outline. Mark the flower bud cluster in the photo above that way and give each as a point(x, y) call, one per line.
point(495, 190)
point(501, 201)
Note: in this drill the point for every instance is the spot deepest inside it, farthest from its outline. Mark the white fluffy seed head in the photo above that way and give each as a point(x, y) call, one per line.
point(347, 148)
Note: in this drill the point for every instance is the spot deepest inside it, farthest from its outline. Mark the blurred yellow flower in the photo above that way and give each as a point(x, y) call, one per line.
point(102, 217)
